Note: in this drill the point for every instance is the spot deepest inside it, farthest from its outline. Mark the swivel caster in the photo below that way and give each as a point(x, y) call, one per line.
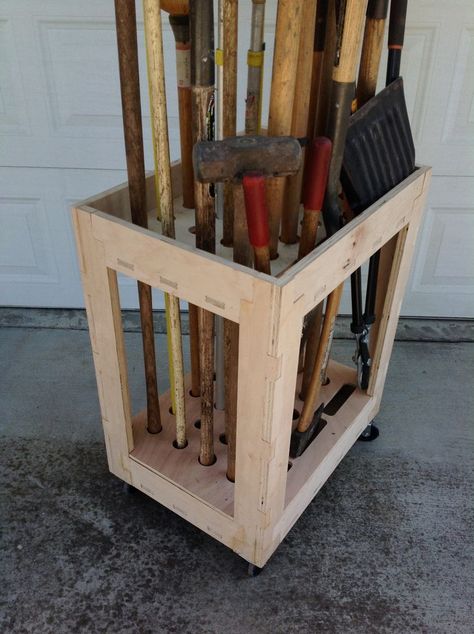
point(371, 432)
point(253, 570)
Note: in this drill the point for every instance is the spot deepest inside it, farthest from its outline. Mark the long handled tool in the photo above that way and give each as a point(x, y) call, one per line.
point(327, 67)
point(257, 220)
point(179, 21)
point(202, 81)
point(350, 23)
point(228, 115)
point(156, 77)
point(380, 153)
point(255, 58)
point(180, 27)
point(396, 35)
point(284, 77)
point(228, 161)
point(316, 174)
point(229, 98)
point(366, 87)
point(299, 124)
point(319, 44)
point(125, 18)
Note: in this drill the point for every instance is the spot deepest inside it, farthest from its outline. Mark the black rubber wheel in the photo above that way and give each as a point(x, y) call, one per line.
point(371, 432)
point(253, 571)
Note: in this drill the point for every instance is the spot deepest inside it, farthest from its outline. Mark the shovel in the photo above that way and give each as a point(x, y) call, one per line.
point(378, 155)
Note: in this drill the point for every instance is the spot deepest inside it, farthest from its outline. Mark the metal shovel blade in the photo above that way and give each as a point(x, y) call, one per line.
point(379, 151)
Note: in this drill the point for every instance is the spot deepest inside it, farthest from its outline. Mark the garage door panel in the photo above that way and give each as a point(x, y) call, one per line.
point(13, 119)
point(38, 264)
point(442, 280)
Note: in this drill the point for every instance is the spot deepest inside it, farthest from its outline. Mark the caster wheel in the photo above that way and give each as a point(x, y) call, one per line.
point(371, 432)
point(253, 570)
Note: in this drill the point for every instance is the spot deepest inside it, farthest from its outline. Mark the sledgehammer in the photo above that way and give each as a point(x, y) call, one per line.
point(231, 160)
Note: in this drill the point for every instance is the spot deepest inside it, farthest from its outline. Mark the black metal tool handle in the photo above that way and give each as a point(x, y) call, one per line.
point(396, 36)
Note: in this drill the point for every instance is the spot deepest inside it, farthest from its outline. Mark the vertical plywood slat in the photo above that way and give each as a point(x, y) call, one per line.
point(397, 279)
point(105, 325)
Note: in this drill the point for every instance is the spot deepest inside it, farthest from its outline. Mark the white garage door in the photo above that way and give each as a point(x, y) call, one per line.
point(61, 140)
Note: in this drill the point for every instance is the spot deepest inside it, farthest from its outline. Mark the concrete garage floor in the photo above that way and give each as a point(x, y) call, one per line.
point(386, 546)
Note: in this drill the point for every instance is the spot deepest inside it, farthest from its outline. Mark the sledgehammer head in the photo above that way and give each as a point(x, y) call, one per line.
point(230, 159)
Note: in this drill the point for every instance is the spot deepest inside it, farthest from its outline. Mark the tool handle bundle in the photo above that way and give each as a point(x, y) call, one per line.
point(325, 126)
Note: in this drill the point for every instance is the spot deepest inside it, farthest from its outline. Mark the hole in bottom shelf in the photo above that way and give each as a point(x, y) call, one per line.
point(197, 424)
point(339, 398)
point(223, 439)
point(214, 460)
point(192, 229)
point(154, 433)
point(296, 414)
point(175, 445)
point(193, 395)
point(170, 410)
point(327, 381)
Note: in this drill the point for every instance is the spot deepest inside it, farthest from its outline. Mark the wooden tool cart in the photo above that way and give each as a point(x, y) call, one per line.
point(252, 515)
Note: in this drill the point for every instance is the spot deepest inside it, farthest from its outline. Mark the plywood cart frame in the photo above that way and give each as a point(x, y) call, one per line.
point(253, 515)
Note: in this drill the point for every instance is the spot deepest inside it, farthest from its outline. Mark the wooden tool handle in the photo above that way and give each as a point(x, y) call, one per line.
point(347, 55)
point(180, 27)
point(156, 75)
point(284, 77)
point(229, 100)
point(257, 220)
point(201, 14)
point(299, 124)
point(316, 71)
point(342, 92)
point(255, 59)
point(327, 332)
point(371, 50)
point(130, 90)
point(202, 80)
point(314, 189)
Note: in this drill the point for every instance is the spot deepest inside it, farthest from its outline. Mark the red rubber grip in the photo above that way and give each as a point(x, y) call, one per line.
point(256, 209)
point(317, 173)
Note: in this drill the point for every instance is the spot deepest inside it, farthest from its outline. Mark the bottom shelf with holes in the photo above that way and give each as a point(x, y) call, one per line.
point(346, 413)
